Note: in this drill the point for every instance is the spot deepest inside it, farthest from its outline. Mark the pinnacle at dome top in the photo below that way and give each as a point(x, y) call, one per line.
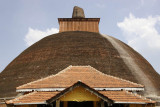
point(78, 22)
point(78, 12)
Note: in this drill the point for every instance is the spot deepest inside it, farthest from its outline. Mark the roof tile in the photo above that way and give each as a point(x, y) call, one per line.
point(86, 74)
point(125, 97)
point(116, 96)
point(33, 97)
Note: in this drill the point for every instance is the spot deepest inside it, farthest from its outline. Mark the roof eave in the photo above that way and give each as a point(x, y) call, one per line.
point(130, 102)
point(30, 103)
point(98, 89)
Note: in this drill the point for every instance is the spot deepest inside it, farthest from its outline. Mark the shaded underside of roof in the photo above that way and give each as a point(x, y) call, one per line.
point(86, 74)
point(56, 52)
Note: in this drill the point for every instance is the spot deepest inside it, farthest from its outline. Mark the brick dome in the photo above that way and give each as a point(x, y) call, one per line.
point(56, 52)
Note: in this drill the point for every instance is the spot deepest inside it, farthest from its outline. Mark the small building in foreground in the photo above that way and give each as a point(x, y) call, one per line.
point(80, 86)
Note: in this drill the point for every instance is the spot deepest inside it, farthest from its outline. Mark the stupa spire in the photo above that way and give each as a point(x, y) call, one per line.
point(78, 22)
point(78, 12)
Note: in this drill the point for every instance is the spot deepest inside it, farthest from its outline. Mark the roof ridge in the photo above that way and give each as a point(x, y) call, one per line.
point(117, 77)
point(80, 65)
point(45, 77)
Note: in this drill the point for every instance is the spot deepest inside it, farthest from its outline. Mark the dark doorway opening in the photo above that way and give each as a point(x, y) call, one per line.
point(119, 105)
point(50, 105)
point(80, 104)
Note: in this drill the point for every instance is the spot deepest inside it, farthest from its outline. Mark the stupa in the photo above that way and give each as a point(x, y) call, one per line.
point(79, 43)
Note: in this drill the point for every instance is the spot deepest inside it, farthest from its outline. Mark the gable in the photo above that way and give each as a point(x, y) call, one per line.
point(79, 94)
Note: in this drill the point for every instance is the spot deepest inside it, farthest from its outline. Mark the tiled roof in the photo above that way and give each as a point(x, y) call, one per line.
point(109, 96)
point(86, 74)
point(33, 98)
point(116, 96)
point(125, 97)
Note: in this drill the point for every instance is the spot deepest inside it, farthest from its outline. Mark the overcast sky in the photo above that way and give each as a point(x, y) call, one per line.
point(135, 22)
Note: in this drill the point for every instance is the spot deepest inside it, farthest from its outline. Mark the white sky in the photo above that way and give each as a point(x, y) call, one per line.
point(135, 22)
